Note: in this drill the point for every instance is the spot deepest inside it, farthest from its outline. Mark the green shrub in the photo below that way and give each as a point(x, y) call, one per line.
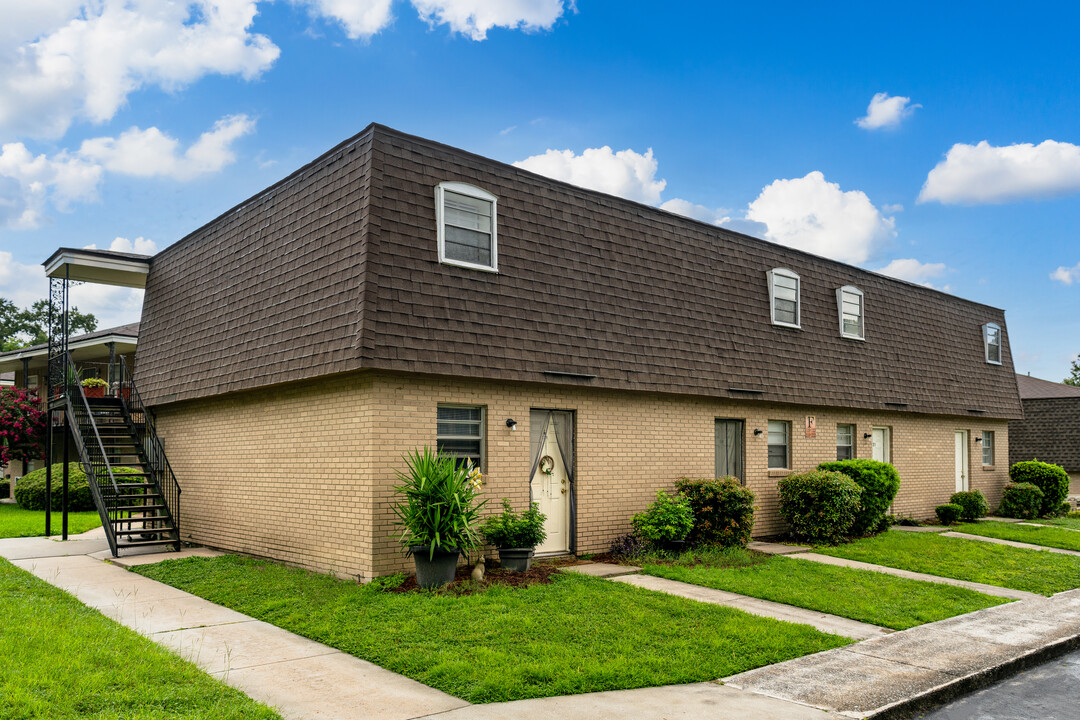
point(949, 513)
point(513, 530)
point(1021, 500)
point(669, 518)
point(1051, 479)
point(5, 489)
point(879, 482)
point(438, 507)
point(30, 490)
point(1065, 509)
point(820, 505)
point(972, 503)
point(723, 511)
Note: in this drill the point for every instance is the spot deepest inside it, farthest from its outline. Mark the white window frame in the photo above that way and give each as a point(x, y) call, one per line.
point(851, 440)
point(787, 443)
point(482, 437)
point(988, 447)
point(851, 290)
point(473, 192)
point(986, 342)
point(792, 275)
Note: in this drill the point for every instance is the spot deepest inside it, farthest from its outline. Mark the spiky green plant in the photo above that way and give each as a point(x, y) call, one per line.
point(438, 507)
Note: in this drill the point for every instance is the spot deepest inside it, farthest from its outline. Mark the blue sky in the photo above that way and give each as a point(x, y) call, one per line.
point(129, 123)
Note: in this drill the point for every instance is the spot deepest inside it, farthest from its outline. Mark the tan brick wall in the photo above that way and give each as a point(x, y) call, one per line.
point(305, 473)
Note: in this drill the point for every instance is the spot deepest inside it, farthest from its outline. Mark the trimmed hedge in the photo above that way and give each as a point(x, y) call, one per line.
point(668, 519)
point(972, 503)
point(1051, 479)
point(820, 505)
point(30, 490)
point(5, 489)
point(1021, 500)
point(879, 482)
point(948, 513)
point(723, 511)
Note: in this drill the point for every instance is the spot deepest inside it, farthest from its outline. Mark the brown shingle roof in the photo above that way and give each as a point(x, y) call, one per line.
point(336, 269)
point(131, 330)
point(1031, 387)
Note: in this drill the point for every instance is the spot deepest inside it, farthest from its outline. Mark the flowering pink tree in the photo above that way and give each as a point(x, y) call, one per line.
point(22, 425)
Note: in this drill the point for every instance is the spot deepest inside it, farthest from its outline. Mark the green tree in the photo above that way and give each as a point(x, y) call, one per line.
point(20, 328)
point(1074, 376)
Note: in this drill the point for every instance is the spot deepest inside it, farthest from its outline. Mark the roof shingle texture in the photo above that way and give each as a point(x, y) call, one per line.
point(1050, 431)
point(1030, 387)
point(336, 269)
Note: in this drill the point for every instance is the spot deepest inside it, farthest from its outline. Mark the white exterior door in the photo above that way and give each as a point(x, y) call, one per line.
point(962, 476)
point(551, 490)
point(880, 440)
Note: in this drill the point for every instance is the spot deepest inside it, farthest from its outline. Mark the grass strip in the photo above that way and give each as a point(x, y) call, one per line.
point(1031, 570)
point(575, 635)
point(17, 522)
point(1054, 537)
point(862, 595)
point(61, 660)
point(1072, 521)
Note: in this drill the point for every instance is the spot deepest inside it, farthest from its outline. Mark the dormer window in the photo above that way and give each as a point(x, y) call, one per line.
point(992, 343)
point(466, 220)
point(784, 297)
point(849, 303)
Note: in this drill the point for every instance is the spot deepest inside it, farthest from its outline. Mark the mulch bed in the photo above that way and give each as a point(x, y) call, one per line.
point(541, 573)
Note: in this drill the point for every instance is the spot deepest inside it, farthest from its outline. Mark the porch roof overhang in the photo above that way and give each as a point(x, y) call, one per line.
point(104, 267)
point(81, 350)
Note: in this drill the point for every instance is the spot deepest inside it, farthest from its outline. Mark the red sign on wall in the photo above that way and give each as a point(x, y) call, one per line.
point(811, 426)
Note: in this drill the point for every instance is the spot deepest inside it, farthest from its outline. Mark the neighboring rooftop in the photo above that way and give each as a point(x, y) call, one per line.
point(125, 337)
point(1032, 388)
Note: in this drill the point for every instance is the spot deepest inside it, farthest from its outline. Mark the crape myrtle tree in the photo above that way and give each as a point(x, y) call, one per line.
point(22, 425)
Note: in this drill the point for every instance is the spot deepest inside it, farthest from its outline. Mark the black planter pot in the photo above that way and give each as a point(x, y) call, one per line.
point(673, 547)
point(516, 559)
point(434, 571)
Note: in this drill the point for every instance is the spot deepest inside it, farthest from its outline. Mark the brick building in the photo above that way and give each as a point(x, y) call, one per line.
point(1050, 428)
point(585, 349)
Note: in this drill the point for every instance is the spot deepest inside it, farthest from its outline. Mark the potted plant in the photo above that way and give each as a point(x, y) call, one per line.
point(516, 535)
point(438, 513)
point(94, 387)
point(666, 522)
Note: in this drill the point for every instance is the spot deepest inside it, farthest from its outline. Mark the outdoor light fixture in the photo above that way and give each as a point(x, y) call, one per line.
point(866, 436)
point(978, 439)
point(757, 431)
point(511, 423)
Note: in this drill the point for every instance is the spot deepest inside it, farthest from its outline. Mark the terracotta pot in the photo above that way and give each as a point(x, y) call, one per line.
point(94, 392)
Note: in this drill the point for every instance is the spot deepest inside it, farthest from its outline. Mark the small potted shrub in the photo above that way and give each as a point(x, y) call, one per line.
point(94, 387)
point(666, 522)
point(516, 535)
point(438, 514)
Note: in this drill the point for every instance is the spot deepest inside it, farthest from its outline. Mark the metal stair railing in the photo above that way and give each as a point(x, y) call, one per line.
point(95, 461)
point(141, 420)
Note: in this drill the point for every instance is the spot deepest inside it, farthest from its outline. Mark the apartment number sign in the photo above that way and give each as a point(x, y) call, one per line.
point(811, 426)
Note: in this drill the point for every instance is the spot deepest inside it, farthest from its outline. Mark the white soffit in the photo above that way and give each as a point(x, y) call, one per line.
point(103, 270)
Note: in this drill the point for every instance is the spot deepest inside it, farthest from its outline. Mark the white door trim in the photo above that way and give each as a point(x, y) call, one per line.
point(881, 441)
point(962, 461)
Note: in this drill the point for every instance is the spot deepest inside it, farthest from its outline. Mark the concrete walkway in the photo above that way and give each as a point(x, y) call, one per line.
point(1011, 543)
point(824, 622)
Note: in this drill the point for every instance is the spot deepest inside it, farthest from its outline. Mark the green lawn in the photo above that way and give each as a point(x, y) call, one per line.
point(1031, 570)
point(1054, 537)
point(16, 522)
point(61, 660)
point(1072, 520)
point(862, 595)
point(575, 635)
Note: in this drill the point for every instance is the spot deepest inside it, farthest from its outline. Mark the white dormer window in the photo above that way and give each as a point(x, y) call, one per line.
point(849, 303)
point(992, 343)
point(784, 297)
point(466, 220)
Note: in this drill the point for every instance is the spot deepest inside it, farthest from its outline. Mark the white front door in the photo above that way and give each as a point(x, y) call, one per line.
point(551, 489)
point(880, 437)
point(962, 478)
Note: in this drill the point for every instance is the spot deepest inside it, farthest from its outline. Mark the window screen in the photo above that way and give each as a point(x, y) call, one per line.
point(845, 436)
point(779, 432)
point(460, 433)
point(784, 297)
point(988, 447)
point(992, 342)
point(850, 303)
point(467, 228)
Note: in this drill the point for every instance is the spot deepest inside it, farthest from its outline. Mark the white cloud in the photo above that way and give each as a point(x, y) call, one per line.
point(914, 271)
point(32, 182)
point(814, 215)
point(624, 173)
point(22, 284)
point(475, 17)
point(359, 18)
point(716, 216)
point(886, 112)
point(985, 173)
point(82, 60)
point(139, 246)
point(150, 152)
point(1066, 275)
point(892, 208)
